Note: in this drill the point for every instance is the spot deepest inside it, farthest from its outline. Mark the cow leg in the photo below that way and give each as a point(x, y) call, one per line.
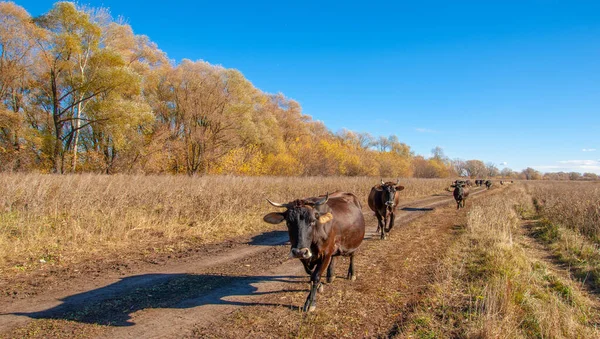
point(331, 271)
point(351, 273)
point(315, 281)
point(392, 217)
point(457, 204)
point(383, 227)
point(379, 225)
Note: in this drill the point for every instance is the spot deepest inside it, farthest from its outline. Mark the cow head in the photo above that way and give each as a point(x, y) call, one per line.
point(306, 221)
point(389, 190)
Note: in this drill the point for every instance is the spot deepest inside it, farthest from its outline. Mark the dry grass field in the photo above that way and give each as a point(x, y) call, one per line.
point(60, 220)
point(495, 269)
point(495, 282)
point(573, 205)
point(569, 224)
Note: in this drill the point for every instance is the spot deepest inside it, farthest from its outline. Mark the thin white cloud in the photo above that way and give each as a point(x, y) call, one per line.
point(580, 162)
point(592, 166)
point(588, 150)
point(504, 163)
point(425, 130)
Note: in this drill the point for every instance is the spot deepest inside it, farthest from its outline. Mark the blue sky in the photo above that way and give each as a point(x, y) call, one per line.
point(516, 83)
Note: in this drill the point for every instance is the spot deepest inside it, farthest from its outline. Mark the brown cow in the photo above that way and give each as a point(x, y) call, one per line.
point(319, 229)
point(460, 194)
point(383, 200)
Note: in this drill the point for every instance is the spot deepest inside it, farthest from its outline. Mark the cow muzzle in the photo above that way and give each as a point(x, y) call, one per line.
point(389, 203)
point(302, 253)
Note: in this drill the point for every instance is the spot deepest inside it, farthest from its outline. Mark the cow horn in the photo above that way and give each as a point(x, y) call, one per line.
point(322, 201)
point(397, 181)
point(383, 183)
point(276, 204)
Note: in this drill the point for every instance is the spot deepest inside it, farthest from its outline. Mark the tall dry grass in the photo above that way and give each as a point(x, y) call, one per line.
point(70, 218)
point(574, 205)
point(569, 224)
point(493, 284)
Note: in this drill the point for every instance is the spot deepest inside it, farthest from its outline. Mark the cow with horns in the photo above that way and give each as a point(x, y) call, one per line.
point(460, 194)
point(321, 228)
point(383, 200)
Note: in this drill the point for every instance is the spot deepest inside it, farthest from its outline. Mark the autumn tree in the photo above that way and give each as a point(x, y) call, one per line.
point(507, 173)
point(365, 140)
point(492, 170)
point(18, 49)
point(74, 71)
point(422, 168)
point(475, 169)
point(459, 167)
point(531, 174)
point(438, 154)
point(208, 105)
point(383, 144)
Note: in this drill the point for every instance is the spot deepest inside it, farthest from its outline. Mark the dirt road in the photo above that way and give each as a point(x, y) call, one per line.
point(199, 296)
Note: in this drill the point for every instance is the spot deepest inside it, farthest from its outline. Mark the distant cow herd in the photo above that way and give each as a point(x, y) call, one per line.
point(321, 228)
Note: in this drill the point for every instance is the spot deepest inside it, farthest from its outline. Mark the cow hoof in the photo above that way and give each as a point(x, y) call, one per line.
point(320, 289)
point(312, 308)
point(353, 278)
point(330, 279)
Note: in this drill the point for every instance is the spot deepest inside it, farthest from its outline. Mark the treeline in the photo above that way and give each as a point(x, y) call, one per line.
point(80, 92)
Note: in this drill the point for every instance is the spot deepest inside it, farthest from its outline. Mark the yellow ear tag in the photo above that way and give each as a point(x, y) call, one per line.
point(325, 218)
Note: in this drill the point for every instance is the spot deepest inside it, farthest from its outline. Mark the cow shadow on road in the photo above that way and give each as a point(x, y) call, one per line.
point(415, 209)
point(114, 304)
point(270, 238)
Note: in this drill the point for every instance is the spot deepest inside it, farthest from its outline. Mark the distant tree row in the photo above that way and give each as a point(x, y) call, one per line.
point(80, 92)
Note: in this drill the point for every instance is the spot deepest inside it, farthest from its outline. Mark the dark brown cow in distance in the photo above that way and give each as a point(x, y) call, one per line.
point(488, 184)
point(383, 200)
point(319, 229)
point(460, 194)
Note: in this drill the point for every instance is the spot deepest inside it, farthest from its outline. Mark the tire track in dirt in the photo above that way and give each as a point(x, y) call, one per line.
point(166, 300)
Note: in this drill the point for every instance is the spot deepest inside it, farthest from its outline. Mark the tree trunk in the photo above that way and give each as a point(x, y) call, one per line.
point(56, 152)
point(76, 140)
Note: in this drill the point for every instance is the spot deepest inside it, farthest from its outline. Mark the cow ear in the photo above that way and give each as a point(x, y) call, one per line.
point(452, 185)
point(399, 188)
point(325, 218)
point(274, 218)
